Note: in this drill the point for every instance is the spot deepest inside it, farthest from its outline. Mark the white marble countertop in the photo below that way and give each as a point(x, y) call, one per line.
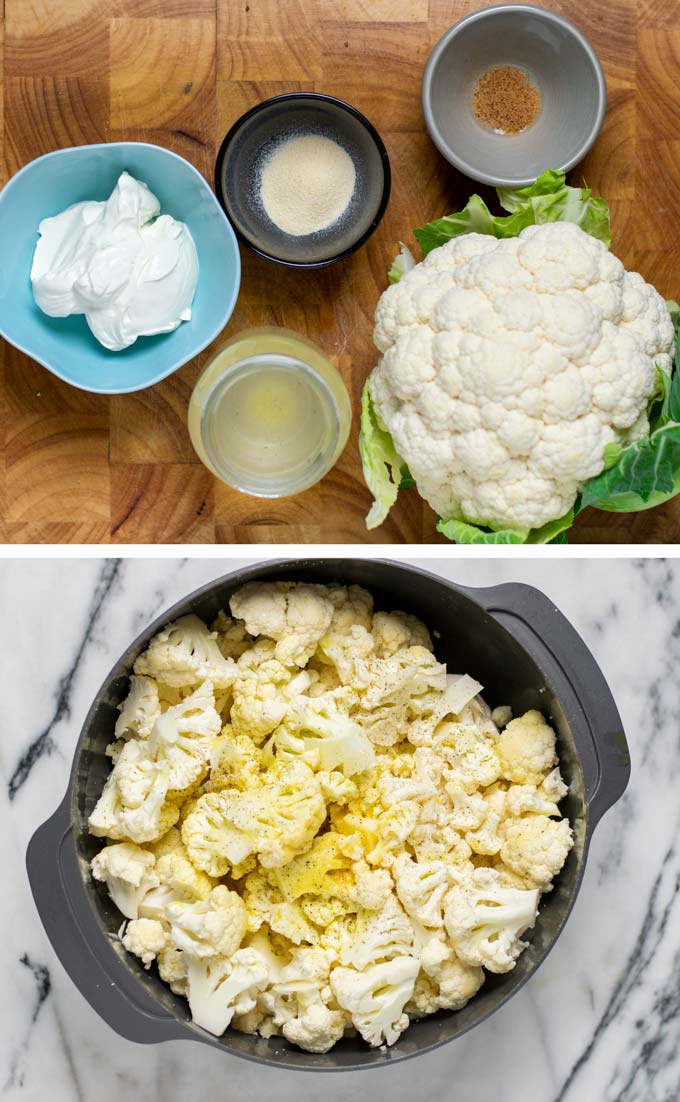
point(600, 1022)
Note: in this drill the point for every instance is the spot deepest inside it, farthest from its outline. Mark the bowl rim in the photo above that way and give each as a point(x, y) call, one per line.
point(435, 57)
point(373, 134)
point(230, 300)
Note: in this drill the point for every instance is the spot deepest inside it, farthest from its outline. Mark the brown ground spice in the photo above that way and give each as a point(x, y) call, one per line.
point(506, 99)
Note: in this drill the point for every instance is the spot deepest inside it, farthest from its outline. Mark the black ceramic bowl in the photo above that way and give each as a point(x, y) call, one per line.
point(254, 136)
point(510, 637)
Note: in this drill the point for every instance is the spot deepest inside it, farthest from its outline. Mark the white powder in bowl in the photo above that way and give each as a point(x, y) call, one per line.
point(306, 184)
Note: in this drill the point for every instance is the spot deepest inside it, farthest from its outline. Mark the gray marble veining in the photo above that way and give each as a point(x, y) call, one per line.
point(599, 1022)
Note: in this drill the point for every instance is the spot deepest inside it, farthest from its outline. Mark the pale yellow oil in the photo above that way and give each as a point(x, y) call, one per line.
point(269, 415)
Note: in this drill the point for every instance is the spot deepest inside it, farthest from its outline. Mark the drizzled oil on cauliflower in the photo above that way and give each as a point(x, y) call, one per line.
point(313, 828)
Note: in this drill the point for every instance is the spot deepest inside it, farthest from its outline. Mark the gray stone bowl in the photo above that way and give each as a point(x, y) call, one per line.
point(558, 58)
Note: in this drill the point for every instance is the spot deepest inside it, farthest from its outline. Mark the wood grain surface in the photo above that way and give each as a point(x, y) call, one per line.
point(76, 467)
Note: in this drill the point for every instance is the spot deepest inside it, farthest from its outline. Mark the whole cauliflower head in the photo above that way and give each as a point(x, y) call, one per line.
point(508, 365)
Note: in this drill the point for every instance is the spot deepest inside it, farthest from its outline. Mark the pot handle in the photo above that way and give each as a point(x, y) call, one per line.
point(540, 626)
point(91, 961)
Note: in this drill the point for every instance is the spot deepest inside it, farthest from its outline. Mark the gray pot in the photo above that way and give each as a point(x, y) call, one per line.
point(510, 637)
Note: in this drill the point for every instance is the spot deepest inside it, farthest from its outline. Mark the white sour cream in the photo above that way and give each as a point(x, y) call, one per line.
point(129, 269)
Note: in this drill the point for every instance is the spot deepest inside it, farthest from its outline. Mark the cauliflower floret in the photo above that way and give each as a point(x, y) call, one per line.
point(232, 637)
point(445, 982)
point(378, 935)
point(295, 615)
point(320, 732)
point(393, 690)
point(129, 874)
point(235, 762)
point(460, 693)
point(260, 693)
point(218, 988)
point(265, 905)
point(393, 631)
point(276, 821)
point(317, 1029)
point(469, 808)
point(473, 759)
point(527, 799)
point(348, 641)
point(139, 711)
point(173, 970)
point(183, 735)
point(526, 749)
point(372, 887)
point(216, 925)
point(175, 870)
point(335, 787)
point(484, 920)
point(421, 887)
point(185, 653)
point(375, 998)
point(323, 911)
point(486, 840)
point(536, 848)
point(146, 939)
point(133, 805)
point(553, 787)
point(298, 984)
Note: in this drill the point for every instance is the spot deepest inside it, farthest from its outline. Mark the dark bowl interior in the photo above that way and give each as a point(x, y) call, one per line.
point(469, 640)
point(254, 136)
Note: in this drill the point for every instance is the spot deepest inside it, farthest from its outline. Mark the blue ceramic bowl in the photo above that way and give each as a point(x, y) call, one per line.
point(65, 346)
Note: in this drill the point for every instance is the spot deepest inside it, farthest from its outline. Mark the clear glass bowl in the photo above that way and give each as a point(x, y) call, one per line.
point(269, 415)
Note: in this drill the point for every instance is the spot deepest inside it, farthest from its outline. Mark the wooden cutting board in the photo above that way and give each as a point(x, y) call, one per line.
point(82, 468)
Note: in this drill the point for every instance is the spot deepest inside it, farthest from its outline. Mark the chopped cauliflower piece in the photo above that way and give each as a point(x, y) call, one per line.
point(139, 711)
point(375, 997)
point(133, 805)
point(320, 732)
point(294, 615)
point(183, 735)
point(232, 637)
point(128, 871)
point(173, 970)
point(265, 905)
point(393, 631)
point(536, 847)
point(526, 749)
point(378, 935)
point(216, 925)
point(484, 920)
point(146, 939)
point(218, 988)
point(261, 691)
point(184, 654)
point(317, 1029)
point(421, 887)
point(276, 822)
